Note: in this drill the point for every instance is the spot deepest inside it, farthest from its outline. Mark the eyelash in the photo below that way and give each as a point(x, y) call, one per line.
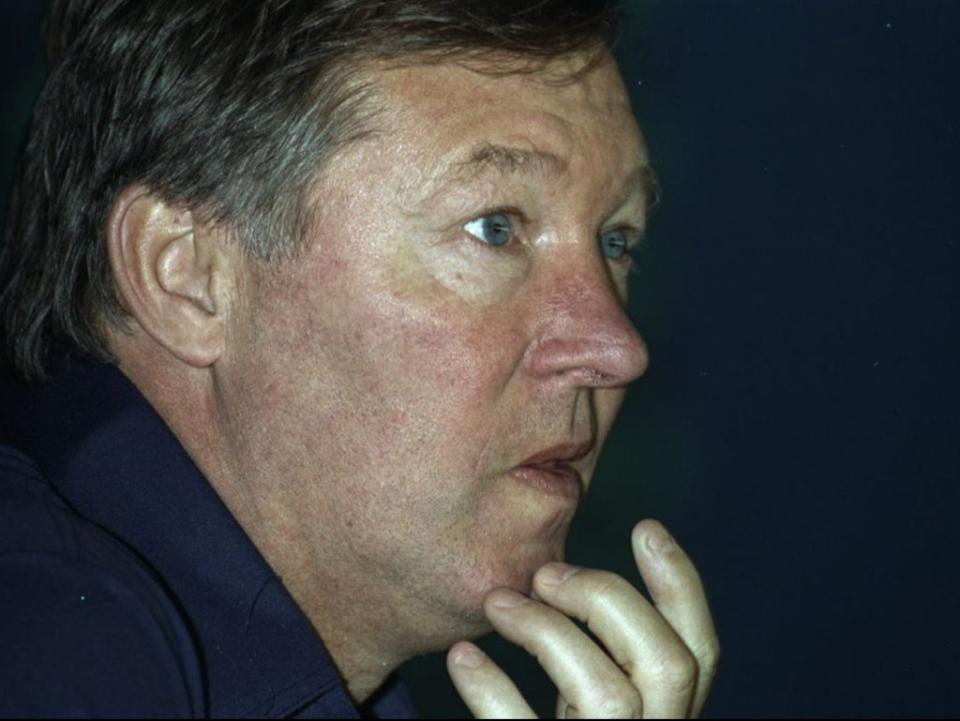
point(512, 214)
point(631, 234)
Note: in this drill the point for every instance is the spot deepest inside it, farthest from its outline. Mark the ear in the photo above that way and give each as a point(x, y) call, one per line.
point(173, 275)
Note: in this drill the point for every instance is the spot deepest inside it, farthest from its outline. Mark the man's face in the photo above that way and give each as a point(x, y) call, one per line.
point(410, 390)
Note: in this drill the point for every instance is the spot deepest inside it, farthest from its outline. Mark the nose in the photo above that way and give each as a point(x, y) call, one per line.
point(583, 334)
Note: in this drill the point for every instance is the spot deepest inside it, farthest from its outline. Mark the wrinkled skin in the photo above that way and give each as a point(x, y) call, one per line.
point(376, 392)
point(400, 367)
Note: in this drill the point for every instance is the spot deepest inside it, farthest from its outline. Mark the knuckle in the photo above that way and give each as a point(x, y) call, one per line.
point(610, 587)
point(678, 673)
point(617, 709)
point(682, 582)
point(708, 654)
point(619, 706)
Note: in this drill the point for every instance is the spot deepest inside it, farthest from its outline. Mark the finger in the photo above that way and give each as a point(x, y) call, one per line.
point(587, 679)
point(636, 636)
point(677, 591)
point(486, 690)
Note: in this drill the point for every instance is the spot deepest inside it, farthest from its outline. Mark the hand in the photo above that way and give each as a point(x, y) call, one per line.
point(657, 661)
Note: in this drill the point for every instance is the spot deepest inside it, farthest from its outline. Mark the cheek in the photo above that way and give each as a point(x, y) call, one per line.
point(441, 345)
point(402, 399)
point(436, 374)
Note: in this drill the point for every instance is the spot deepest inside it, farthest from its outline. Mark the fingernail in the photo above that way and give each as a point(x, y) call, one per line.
point(509, 599)
point(469, 656)
point(554, 574)
point(660, 542)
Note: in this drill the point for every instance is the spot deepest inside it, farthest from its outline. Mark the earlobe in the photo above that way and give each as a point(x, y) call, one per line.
point(165, 266)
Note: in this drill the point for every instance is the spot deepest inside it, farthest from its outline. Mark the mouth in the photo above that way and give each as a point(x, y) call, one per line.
point(553, 472)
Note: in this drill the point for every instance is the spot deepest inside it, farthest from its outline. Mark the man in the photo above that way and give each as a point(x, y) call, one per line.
point(328, 302)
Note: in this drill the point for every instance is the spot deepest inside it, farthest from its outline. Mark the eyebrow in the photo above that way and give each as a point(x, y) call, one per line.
point(643, 181)
point(509, 161)
point(505, 160)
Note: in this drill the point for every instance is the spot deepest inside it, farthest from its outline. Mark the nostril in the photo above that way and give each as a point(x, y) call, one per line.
point(595, 378)
point(586, 377)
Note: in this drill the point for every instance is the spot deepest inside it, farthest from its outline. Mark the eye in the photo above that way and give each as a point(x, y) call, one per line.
point(614, 243)
point(492, 229)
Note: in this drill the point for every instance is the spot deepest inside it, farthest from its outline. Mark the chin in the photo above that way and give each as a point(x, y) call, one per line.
point(518, 573)
point(464, 618)
point(454, 611)
point(438, 631)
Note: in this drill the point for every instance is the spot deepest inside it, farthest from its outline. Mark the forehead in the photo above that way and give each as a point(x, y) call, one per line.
point(573, 112)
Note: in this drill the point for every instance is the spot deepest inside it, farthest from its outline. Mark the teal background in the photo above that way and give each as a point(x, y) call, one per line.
point(798, 427)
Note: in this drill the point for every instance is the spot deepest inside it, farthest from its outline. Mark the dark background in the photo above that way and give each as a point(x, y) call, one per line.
point(798, 428)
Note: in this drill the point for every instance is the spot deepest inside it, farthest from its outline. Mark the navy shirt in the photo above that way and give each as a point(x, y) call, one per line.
point(126, 586)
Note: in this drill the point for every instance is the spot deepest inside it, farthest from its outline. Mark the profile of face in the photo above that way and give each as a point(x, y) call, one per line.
point(423, 393)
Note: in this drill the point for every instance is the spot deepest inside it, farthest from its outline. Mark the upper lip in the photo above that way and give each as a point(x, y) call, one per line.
point(568, 452)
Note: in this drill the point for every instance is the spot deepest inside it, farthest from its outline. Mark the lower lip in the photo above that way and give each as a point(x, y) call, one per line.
point(560, 481)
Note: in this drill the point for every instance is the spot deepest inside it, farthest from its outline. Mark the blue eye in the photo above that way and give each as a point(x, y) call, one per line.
point(492, 229)
point(613, 244)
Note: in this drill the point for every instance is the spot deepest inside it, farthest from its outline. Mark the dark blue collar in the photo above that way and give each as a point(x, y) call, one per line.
point(113, 459)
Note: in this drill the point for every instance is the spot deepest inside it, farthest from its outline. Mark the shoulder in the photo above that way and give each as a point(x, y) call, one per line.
point(85, 626)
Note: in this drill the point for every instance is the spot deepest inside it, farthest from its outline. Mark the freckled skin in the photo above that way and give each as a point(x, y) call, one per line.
point(381, 386)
